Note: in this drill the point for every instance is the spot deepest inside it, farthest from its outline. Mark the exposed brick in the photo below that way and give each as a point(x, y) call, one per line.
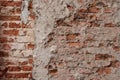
point(14, 25)
point(4, 54)
point(18, 10)
point(14, 68)
point(108, 10)
point(116, 48)
point(10, 18)
point(93, 10)
point(71, 36)
point(12, 32)
point(5, 24)
point(17, 75)
point(81, 31)
point(26, 68)
point(103, 56)
point(23, 63)
point(30, 46)
point(115, 64)
point(3, 39)
point(6, 47)
point(70, 7)
point(105, 70)
point(53, 72)
point(11, 3)
point(109, 25)
point(32, 16)
point(30, 60)
point(74, 44)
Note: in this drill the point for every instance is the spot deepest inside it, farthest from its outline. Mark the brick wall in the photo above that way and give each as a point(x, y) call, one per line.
point(84, 43)
point(16, 41)
point(71, 40)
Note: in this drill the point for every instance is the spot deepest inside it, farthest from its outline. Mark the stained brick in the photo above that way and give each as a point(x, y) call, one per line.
point(10, 18)
point(105, 70)
point(11, 3)
point(30, 46)
point(26, 68)
point(74, 44)
point(93, 10)
point(3, 40)
point(17, 75)
point(103, 56)
point(4, 54)
point(14, 25)
point(5, 25)
point(71, 36)
point(12, 32)
point(14, 68)
point(6, 47)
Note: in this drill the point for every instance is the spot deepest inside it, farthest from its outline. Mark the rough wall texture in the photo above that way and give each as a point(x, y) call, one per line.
point(77, 40)
point(73, 39)
point(16, 40)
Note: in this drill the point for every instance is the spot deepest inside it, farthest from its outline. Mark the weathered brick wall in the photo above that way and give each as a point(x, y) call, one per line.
point(80, 40)
point(68, 40)
point(16, 41)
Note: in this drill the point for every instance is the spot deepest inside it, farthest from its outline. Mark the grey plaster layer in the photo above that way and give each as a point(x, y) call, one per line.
point(25, 13)
point(47, 12)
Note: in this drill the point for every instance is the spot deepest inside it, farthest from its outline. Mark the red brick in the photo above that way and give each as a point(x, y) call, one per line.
point(74, 44)
point(14, 68)
point(11, 3)
point(23, 63)
point(26, 25)
point(109, 25)
point(17, 75)
point(93, 10)
point(108, 10)
point(116, 48)
point(30, 60)
point(32, 16)
point(14, 25)
point(105, 70)
point(115, 64)
point(26, 68)
point(10, 63)
point(5, 25)
point(12, 32)
point(4, 54)
point(71, 36)
point(10, 18)
point(30, 75)
point(18, 11)
point(52, 72)
point(70, 8)
point(3, 39)
point(103, 56)
point(6, 47)
point(82, 11)
point(30, 5)
point(30, 46)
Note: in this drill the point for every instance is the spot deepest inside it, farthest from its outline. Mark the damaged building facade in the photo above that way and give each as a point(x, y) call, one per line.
point(60, 40)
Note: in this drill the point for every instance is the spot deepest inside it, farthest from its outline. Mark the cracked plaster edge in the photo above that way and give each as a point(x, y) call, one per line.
point(42, 55)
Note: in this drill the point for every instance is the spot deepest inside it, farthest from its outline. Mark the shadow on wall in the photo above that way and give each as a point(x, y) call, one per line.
point(3, 46)
point(3, 53)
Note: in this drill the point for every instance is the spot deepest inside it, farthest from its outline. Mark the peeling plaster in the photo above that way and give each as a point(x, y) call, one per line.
point(25, 13)
point(46, 13)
